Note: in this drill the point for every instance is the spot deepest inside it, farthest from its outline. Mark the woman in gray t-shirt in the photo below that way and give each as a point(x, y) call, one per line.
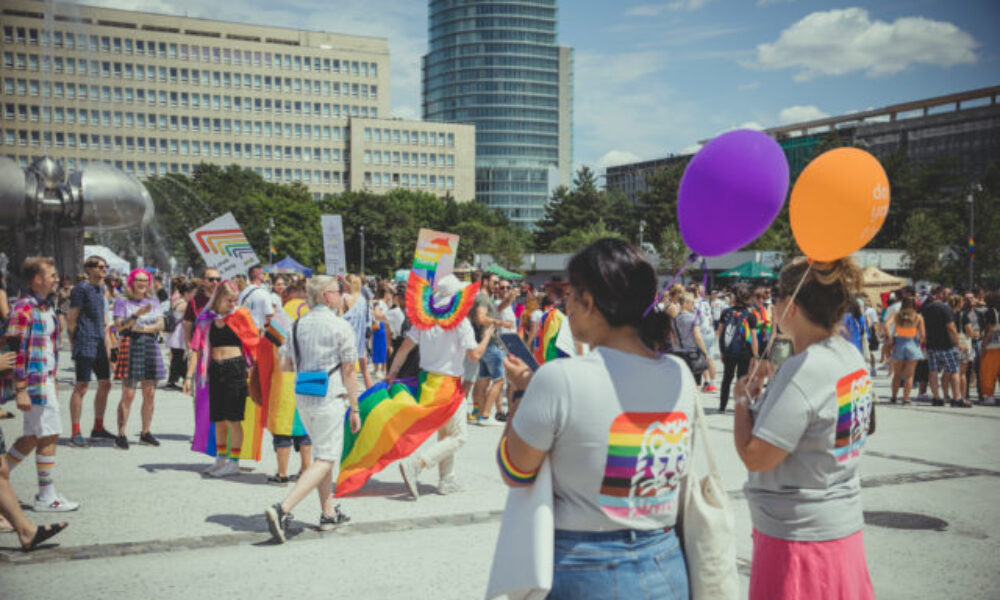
point(615, 425)
point(802, 444)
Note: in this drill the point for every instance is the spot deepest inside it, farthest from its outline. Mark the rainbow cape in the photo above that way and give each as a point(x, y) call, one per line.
point(424, 314)
point(279, 390)
point(395, 422)
point(203, 440)
point(548, 330)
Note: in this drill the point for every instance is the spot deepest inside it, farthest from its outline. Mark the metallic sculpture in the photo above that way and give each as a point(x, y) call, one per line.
point(45, 212)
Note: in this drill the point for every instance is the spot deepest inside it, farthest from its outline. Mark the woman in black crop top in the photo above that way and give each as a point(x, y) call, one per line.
point(223, 337)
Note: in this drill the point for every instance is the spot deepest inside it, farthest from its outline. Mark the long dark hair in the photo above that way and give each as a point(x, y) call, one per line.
point(622, 283)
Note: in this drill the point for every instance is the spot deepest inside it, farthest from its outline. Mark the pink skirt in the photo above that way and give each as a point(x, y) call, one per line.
point(789, 570)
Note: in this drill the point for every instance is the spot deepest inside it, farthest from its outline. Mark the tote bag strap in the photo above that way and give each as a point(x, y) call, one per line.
point(702, 432)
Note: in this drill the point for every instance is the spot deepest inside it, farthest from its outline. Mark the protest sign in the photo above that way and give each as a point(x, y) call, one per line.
point(333, 245)
point(223, 246)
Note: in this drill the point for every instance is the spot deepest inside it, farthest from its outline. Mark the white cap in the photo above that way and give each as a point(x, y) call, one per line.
point(446, 288)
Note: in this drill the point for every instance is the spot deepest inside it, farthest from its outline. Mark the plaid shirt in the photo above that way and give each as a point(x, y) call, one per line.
point(27, 323)
point(89, 333)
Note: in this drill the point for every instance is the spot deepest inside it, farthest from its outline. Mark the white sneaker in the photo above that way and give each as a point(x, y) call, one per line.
point(449, 487)
point(218, 464)
point(230, 468)
point(408, 468)
point(57, 504)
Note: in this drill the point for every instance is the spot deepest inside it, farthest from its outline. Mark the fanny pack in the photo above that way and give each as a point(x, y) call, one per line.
point(309, 383)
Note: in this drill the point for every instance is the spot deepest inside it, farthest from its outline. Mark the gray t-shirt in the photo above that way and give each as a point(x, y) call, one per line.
point(817, 408)
point(617, 427)
point(686, 322)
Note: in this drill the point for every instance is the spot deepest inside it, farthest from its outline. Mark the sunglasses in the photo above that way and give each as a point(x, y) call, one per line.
point(213, 279)
point(101, 267)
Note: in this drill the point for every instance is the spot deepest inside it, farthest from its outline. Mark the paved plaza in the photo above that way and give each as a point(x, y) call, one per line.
point(151, 526)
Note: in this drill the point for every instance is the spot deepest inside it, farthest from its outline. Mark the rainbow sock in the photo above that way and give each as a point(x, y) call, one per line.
point(234, 454)
point(45, 465)
point(14, 457)
point(221, 451)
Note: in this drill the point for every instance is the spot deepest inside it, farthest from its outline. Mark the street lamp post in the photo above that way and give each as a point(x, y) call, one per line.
point(270, 226)
point(972, 231)
point(362, 232)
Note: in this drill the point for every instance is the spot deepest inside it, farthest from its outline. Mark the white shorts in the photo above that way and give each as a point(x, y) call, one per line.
point(323, 419)
point(44, 421)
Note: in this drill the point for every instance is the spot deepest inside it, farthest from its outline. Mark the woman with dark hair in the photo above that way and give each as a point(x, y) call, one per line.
point(737, 335)
point(906, 333)
point(616, 426)
point(802, 443)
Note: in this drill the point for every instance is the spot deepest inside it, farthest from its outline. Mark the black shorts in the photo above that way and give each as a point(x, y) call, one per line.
point(872, 342)
point(227, 389)
point(98, 365)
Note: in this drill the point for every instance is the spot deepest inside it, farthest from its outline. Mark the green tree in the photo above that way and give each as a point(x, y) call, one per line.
point(923, 240)
point(658, 203)
point(580, 238)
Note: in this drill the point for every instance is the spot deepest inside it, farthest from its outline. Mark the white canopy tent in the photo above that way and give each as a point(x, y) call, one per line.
point(115, 262)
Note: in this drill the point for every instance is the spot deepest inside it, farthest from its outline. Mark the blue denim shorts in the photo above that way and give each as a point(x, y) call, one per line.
point(906, 348)
point(619, 564)
point(491, 364)
point(287, 441)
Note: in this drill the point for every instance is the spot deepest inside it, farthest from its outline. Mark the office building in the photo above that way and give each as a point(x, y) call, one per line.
point(498, 66)
point(964, 127)
point(155, 94)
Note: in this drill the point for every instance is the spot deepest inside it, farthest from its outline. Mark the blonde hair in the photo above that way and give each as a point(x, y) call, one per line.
point(353, 283)
point(225, 289)
point(827, 290)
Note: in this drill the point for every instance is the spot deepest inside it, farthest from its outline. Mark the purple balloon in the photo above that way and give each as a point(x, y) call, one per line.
point(731, 191)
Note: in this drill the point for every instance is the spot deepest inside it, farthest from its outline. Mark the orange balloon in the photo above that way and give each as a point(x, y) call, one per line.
point(838, 203)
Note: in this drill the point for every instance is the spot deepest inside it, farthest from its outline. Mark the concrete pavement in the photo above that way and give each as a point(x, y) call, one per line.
point(151, 526)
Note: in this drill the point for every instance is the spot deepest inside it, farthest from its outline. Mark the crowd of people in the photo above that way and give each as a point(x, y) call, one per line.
point(612, 411)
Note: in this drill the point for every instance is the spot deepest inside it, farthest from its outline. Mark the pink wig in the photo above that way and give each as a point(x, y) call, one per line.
point(134, 273)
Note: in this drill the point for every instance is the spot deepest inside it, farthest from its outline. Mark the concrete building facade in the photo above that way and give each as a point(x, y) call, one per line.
point(497, 65)
point(155, 94)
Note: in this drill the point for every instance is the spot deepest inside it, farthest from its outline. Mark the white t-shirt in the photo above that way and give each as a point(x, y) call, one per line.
point(891, 310)
point(817, 408)
point(395, 317)
point(507, 314)
point(443, 351)
point(536, 316)
point(617, 428)
point(257, 302)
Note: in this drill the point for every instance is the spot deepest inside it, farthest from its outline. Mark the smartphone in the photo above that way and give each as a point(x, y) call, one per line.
point(513, 344)
point(13, 344)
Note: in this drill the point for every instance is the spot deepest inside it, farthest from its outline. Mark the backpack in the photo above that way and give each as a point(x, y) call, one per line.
point(735, 335)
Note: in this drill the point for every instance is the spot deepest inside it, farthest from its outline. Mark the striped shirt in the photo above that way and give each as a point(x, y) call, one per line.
point(34, 324)
point(324, 341)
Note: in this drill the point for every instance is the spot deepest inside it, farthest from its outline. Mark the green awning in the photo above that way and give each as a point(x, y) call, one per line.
point(750, 270)
point(503, 273)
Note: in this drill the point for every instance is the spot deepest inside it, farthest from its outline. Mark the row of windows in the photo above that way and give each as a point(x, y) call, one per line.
point(128, 46)
point(130, 144)
point(224, 79)
point(443, 29)
point(408, 159)
point(465, 89)
point(491, 74)
point(45, 114)
point(144, 169)
point(438, 64)
point(408, 180)
point(465, 115)
point(545, 36)
point(443, 11)
point(396, 136)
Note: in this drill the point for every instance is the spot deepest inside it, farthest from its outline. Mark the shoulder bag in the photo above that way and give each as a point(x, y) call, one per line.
point(706, 523)
point(695, 359)
point(309, 383)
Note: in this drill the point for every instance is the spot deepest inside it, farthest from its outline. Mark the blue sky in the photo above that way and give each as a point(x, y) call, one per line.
point(653, 78)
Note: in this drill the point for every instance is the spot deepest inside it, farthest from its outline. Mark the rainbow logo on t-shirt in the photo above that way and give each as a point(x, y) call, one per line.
point(647, 457)
point(854, 409)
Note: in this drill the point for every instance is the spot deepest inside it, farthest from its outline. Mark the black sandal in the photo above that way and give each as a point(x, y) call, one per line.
point(278, 480)
point(44, 533)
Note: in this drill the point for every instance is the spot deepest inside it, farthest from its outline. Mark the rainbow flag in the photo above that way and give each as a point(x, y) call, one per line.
point(972, 247)
point(203, 440)
point(279, 390)
point(395, 422)
point(548, 330)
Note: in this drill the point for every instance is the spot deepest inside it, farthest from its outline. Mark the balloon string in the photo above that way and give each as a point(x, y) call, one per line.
point(784, 313)
point(663, 291)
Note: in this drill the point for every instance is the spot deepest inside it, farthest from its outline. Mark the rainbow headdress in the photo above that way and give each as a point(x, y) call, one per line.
point(422, 312)
point(396, 421)
point(548, 331)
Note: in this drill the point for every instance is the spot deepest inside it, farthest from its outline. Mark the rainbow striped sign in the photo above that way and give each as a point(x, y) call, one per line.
point(224, 246)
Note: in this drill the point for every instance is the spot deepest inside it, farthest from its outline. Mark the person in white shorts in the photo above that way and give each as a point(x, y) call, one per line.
point(32, 333)
point(320, 342)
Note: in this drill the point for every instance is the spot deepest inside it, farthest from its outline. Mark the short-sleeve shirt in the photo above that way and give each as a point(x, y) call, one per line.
point(937, 315)
point(617, 429)
point(443, 351)
point(90, 324)
point(257, 299)
point(125, 307)
point(686, 323)
point(324, 341)
point(817, 408)
point(991, 318)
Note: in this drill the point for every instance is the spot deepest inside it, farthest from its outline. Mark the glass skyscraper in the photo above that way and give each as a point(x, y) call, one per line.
point(497, 65)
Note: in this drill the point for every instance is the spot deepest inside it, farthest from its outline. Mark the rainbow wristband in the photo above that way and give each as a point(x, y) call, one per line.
point(508, 468)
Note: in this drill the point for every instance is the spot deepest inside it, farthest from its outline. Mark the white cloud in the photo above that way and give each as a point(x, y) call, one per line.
point(616, 157)
point(843, 41)
point(800, 114)
point(402, 22)
point(748, 87)
point(770, 2)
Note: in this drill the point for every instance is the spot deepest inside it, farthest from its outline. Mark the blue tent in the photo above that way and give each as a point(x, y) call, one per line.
point(289, 265)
